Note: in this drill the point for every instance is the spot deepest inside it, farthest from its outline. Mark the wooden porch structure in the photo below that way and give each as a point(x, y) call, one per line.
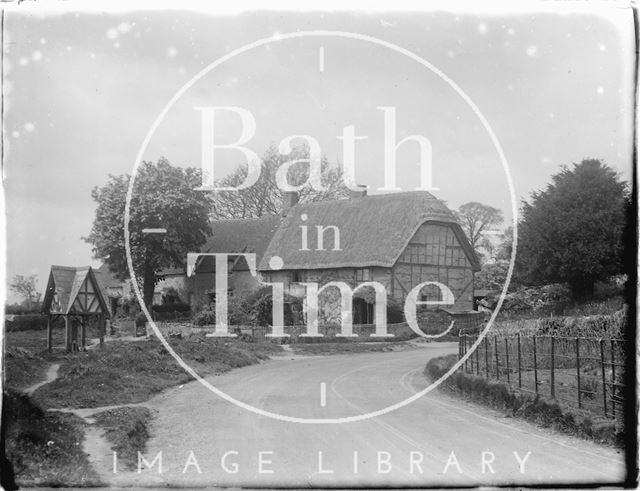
point(74, 295)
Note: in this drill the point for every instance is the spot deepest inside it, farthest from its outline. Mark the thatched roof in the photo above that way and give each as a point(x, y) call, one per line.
point(64, 284)
point(374, 231)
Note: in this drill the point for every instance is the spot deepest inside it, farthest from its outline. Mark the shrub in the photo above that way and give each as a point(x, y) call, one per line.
point(240, 311)
point(129, 307)
point(262, 309)
point(204, 318)
point(141, 319)
point(170, 296)
point(395, 311)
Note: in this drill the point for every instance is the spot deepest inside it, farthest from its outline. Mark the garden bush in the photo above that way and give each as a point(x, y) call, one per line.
point(204, 318)
point(263, 309)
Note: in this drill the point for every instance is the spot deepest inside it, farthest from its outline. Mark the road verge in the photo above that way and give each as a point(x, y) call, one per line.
point(531, 407)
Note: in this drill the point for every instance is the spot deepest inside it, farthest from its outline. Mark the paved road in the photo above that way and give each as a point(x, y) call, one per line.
point(437, 440)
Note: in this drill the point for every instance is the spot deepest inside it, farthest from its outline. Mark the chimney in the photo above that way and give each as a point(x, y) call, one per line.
point(289, 199)
point(360, 193)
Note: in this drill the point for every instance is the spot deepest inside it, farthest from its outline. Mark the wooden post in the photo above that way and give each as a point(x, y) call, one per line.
point(519, 363)
point(486, 356)
point(506, 352)
point(49, 337)
point(102, 325)
point(495, 346)
point(604, 378)
point(613, 378)
point(535, 364)
point(578, 372)
point(83, 321)
point(67, 333)
point(466, 361)
point(553, 367)
point(74, 334)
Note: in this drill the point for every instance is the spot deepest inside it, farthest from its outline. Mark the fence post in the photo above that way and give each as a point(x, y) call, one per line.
point(613, 379)
point(553, 371)
point(495, 346)
point(506, 354)
point(466, 362)
point(49, 335)
point(604, 379)
point(519, 363)
point(477, 360)
point(578, 372)
point(486, 356)
point(535, 364)
point(463, 349)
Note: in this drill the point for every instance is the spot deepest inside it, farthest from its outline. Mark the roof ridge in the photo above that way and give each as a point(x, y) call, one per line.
point(369, 197)
point(69, 268)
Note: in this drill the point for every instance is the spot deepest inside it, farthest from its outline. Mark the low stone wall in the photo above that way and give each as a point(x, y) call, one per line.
point(401, 332)
point(430, 322)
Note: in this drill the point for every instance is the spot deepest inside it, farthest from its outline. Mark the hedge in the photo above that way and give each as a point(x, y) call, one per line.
point(172, 307)
point(27, 322)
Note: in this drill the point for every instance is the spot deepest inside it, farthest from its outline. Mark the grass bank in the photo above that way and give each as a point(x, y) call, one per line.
point(531, 407)
point(130, 372)
point(24, 368)
point(127, 429)
point(45, 448)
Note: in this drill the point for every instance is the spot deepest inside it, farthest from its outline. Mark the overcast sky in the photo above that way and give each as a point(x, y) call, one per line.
point(82, 90)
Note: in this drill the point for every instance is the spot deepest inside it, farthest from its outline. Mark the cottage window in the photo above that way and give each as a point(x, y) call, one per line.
point(363, 274)
point(430, 293)
point(296, 276)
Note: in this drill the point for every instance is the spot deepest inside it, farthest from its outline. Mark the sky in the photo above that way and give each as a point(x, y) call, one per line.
point(82, 90)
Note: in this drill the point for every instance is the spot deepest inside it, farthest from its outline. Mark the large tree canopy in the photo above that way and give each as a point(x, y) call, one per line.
point(163, 197)
point(571, 232)
point(476, 220)
point(265, 197)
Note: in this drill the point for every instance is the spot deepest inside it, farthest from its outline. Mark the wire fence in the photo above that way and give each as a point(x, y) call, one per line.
point(586, 373)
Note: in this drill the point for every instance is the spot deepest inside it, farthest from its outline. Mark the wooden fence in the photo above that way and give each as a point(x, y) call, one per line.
point(583, 372)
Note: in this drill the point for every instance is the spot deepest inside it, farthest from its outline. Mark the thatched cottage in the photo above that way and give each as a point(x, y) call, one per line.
point(399, 240)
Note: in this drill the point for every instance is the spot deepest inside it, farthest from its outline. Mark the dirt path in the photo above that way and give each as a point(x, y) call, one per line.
point(50, 376)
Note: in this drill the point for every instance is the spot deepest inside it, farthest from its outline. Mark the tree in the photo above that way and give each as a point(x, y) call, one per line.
point(505, 248)
point(476, 219)
point(571, 232)
point(163, 197)
point(26, 287)
point(265, 197)
point(492, 276)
